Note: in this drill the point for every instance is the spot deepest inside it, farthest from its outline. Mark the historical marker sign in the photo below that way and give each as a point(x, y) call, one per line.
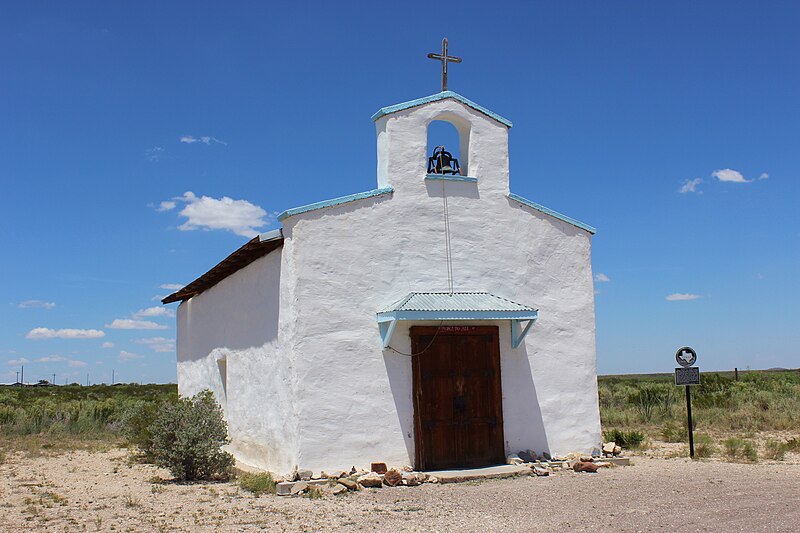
point(687, 376)
point(686, 357)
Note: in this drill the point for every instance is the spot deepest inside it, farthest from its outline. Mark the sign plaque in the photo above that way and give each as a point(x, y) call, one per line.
point(687, 375)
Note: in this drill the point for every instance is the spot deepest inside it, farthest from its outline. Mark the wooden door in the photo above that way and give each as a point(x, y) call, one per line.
point(457, 397)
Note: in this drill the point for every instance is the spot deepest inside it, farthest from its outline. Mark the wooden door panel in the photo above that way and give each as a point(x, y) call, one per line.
point(457, 397)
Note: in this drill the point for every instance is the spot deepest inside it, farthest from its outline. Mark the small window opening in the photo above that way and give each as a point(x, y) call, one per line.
point(444, 149)
point(222, 364)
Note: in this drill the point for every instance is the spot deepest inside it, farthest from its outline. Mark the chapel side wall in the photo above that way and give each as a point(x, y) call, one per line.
point(229, 341)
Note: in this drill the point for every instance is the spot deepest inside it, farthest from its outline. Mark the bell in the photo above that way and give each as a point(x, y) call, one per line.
point(443, 162)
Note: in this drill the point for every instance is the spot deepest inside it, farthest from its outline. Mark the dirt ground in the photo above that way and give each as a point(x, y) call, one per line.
point(101, 491)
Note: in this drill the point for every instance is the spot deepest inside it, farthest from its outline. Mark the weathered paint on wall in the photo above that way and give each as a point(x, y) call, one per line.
point(340, 399)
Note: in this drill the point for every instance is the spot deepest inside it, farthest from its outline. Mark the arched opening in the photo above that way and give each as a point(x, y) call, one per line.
point(454, 140)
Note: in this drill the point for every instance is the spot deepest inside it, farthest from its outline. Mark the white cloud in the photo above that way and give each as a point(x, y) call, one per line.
point(51, 359)
point(171, 286)
point(154, 311)
point(764, 176)
point(129, 323)
point(205, 139)
point(158, 344)
point(690, 185)
point(728, 174)
point(30, 304)
point(107, 345)
point(166, 205)
point(127, 356)
point(207, 213)
point(47, 333)
point(602, 278)
point(154, 154)
point(77, 364)
point(20, 361)
point(681, 296)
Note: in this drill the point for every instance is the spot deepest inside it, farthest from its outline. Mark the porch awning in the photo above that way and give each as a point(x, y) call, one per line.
point(457, 306)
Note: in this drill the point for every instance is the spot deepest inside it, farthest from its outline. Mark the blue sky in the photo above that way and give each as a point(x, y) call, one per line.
point(140, 143)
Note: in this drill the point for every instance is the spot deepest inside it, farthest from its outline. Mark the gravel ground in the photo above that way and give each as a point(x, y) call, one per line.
point(82, 491)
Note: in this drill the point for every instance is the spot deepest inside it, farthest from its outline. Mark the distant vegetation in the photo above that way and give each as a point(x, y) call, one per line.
point(760, 401)
point(72, 416)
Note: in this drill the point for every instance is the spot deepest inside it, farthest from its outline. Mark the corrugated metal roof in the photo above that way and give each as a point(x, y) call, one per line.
point(457, 301)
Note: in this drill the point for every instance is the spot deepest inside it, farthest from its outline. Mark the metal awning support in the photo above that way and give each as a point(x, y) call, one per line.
point(457, 307)
point(518, 331)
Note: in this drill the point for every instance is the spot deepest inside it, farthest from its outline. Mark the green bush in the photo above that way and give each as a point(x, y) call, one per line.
point(775, 450)
point(738, 449)
point(258, 484)
point(704, 446)
point(188, 436)
point(671, 432)
point(137, 427)
point(631, 440)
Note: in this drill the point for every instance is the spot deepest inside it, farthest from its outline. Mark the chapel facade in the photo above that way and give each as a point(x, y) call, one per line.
point(438, 320)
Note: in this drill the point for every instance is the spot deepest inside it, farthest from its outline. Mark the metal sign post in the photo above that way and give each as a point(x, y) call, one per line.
point(687, 375)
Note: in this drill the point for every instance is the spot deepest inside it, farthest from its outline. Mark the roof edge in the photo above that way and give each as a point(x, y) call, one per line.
point(254, 249)
point(335, 201)
point(555, 214)
point(382, 112)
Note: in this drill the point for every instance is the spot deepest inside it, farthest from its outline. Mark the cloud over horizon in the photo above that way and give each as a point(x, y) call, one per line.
point(129, 323)
point(682, 296)
point(67, 333)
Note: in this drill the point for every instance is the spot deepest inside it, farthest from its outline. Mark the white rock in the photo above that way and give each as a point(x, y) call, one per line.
point(371, 480)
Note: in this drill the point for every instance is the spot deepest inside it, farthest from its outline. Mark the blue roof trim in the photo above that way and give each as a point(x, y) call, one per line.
point(435, 98)
point(334, 201)
point(444, 177)
point(457, 315)
point(547, 211)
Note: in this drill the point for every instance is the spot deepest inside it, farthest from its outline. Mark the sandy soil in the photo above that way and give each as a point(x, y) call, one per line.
point(81, 491)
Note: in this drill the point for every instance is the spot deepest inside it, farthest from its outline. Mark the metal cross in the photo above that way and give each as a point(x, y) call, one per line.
point(444, 58)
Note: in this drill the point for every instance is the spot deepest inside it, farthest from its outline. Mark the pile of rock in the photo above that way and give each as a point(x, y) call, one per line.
point(542, 464)
point(339, 482)
point(610, 449)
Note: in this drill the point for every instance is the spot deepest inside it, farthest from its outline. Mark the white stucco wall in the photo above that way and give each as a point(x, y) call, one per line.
point(239, 321)
point(340, 400)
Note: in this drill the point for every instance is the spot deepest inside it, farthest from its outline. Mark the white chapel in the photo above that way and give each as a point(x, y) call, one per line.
point(439, 320)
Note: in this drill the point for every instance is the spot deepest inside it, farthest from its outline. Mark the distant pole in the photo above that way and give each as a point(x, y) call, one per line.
point(112, 376)
point(22, 379)
point(17, 376)
point(87, 379)
point(54, 379)
point(689, 414)
point(736, 372)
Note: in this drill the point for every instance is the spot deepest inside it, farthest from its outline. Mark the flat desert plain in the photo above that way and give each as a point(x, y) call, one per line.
point(104, 491)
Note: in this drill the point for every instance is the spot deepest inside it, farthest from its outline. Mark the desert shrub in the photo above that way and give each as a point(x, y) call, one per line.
point(258, 484)
point(737, 449)
point(704, 446)
point(775, 450)
point(137, 426)
point(631, 440)
point(671, 432)
point(793, 445)
point(314, 493)
point(188, 436)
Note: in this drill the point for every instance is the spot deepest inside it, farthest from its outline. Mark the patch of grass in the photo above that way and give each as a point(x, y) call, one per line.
point(793, 445)
point(671, 432)
point(631, 440)
point(257, 483)
point(313, 493)
point(704, 446)
point(130, 501)
point(737, 449)
point(775, 450)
